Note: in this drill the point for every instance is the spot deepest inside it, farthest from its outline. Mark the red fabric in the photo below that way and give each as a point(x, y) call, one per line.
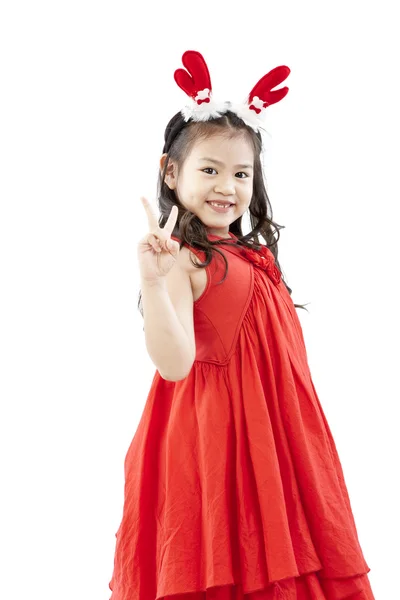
point(233, 484)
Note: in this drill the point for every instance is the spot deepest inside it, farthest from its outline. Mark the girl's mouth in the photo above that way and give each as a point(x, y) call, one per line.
point(220, 208)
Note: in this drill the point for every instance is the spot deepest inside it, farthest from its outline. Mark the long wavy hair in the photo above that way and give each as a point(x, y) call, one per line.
point(179, 138)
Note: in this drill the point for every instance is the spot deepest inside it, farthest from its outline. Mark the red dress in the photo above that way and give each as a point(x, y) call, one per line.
point(233, 484)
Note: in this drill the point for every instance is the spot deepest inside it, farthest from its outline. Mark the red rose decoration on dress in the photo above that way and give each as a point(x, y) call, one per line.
point(264, 259)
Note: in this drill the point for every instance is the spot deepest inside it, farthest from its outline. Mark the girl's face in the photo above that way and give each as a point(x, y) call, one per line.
point(216, 169)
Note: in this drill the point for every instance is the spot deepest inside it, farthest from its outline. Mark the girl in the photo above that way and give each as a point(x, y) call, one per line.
point(233, 484)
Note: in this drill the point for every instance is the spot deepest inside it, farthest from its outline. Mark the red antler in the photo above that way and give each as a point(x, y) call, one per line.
point(263, 88)
point(199, 78)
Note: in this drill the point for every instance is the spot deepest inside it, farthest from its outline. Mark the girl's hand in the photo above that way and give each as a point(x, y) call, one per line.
point(157, 253)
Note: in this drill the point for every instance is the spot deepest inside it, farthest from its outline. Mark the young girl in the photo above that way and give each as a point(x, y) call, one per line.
point(233, 484)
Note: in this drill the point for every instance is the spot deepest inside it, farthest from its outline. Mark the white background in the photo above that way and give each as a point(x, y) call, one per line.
point(87, 89)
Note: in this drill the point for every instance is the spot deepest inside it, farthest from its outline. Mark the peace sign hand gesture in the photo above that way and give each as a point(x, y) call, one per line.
point(157, 252)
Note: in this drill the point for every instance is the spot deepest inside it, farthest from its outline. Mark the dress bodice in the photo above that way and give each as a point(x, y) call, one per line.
point(263, 258)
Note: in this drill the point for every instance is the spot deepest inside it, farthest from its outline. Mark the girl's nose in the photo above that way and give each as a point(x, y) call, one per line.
point(225, 187)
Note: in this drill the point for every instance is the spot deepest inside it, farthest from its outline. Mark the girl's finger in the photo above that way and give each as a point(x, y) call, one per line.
point(171, 221)
point(154, 242)
point(151, 216)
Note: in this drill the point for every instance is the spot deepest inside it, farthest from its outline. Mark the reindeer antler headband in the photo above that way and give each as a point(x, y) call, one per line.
point(202, 107)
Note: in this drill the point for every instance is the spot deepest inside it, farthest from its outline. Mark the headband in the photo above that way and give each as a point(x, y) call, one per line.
point(196, 82)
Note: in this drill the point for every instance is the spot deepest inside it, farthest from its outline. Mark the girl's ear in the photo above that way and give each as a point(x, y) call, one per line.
point(170, 175)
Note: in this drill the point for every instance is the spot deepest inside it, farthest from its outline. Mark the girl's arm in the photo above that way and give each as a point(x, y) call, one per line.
point(170, 346)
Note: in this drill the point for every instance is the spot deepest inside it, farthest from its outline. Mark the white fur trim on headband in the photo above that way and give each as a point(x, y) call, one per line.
point(214, 109)
point(203, 111)
point(249, 116)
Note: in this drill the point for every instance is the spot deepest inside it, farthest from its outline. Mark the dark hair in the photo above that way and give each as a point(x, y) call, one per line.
point(179, 138)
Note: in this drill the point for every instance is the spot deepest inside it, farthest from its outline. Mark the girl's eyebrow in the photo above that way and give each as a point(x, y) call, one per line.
point(221, 164)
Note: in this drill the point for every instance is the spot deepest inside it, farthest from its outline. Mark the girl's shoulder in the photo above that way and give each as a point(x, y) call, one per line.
point(186, 255)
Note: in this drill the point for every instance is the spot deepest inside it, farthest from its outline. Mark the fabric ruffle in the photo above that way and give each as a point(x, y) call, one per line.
point(264, 259)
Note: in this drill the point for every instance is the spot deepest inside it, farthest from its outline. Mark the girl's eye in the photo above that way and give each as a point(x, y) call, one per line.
point(211, 169)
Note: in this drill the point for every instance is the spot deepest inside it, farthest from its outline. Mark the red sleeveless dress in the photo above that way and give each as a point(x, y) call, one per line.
point(233, 484)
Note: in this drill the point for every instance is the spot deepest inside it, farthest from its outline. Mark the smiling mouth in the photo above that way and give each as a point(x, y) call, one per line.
point(220, 204)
